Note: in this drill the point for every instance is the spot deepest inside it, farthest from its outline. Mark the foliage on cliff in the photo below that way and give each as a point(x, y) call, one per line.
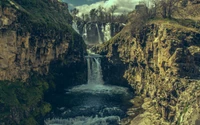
point(162, 59)
point(44, 34)
point(19, 99)
point(41, 13)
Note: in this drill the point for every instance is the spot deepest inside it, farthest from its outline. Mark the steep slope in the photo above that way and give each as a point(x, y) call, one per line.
point(39, 53)
point(161, 61)
point(32, 34)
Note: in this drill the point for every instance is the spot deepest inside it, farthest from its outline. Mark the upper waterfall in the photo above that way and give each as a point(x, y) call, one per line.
point(107, 32)
point(75, 26)
point(96, 32)
point(99, 35)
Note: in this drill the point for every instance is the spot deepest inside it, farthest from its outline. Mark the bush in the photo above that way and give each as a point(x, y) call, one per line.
point(17, 97)
point(184, 3)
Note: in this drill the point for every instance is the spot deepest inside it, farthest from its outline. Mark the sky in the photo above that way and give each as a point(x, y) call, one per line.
point(85, 6)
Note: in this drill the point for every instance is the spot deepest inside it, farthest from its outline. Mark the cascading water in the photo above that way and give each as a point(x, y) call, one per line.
point(75, 26)
point(107, 32)
point(85, 35)
point(94, 70)
point(93, 103)
point(99, 35)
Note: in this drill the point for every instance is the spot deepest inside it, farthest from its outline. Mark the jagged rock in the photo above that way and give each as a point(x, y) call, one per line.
point(23, 50)
point(36, 42)
point(162, 65)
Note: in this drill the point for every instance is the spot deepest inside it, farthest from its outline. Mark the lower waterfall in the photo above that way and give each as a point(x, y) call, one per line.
point(94, 70)
point(93, 103)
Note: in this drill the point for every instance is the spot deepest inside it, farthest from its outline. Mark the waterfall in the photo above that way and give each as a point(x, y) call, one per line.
point(85, 36)
point(99, 35)
point(94, 103)
point(107, 32)
point(94, 70)
point(75, 27)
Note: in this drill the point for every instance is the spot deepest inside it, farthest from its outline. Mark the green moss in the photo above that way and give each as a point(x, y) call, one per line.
point(41, 13)
point(46, 107)
point(30, 121)
point(17, 97)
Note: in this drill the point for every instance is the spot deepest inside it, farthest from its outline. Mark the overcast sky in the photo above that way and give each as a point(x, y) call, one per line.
point(85, 6)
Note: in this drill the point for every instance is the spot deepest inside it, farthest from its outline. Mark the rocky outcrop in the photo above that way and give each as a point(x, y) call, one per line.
point(40, 54)
point(25, 47)
point(162, 63)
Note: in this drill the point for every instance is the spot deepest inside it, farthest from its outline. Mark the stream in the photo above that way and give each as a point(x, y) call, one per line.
point(93, 103)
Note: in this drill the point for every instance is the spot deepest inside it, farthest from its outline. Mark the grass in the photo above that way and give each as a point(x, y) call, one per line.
point(17, 97)
point(41, 13)
point(182, 24)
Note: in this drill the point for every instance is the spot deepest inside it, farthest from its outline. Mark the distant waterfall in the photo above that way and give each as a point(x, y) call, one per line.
point(99, 35)
point(107, 32)
point(75, 27)
point(85, 35)
point(94, 70)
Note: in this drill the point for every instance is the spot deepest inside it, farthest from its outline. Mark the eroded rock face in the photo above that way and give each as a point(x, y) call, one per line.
point(163, 66)
point(36, 48)
point(22, 50)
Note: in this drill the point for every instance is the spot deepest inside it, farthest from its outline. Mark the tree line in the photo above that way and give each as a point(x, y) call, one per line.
point(159, 9)
point(100, 14)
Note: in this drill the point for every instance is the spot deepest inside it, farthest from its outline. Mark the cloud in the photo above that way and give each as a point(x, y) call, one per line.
point(71, 5)
point(123, 6)
point(89, 0)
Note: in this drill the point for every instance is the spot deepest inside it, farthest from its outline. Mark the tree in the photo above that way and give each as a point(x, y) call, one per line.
point(168, 7)
point(83, 16)
point(87, 17)
point(112, 9)
point(101, 13)
point(93, 14)
point(74, 12)
point(121, 18)
point(154, 8)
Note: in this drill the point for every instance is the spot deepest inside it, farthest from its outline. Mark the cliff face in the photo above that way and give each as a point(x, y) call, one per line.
point(40, 54)
point(97, 32)
point(162, 64)
point(30, 44)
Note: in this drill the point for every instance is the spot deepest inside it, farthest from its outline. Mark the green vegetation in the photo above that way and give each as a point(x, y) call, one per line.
point(19, 97)
point(23, 102)
point(41, 13)
point(4, 3)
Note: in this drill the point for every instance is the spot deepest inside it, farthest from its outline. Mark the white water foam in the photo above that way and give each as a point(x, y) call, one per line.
point(97, 89)
point(81, 120)
point(93, 100)
point(107, 32)
point(75, 26)
point(95, 84)
point(99, 35)
point(85, 35)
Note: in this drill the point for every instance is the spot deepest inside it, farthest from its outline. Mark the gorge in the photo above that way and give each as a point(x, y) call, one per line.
point(93, 103)
point(56, 69)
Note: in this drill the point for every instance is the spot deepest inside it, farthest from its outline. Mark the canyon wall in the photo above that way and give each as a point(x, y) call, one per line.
point(29, 46)
point(161, 61)
point(40, 54)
